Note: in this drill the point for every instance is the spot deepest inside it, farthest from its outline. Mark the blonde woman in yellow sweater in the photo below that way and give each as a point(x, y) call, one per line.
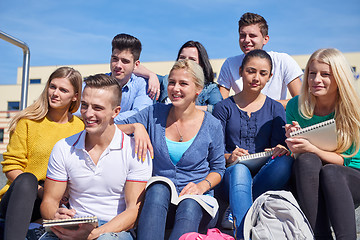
point(33, 133)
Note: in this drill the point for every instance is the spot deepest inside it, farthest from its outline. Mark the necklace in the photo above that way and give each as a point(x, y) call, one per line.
point(181, 137)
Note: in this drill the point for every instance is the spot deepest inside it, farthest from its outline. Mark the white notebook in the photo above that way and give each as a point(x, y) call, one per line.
point(207, 202)
point(323, 135)
point(70, 223)
point(253, 161)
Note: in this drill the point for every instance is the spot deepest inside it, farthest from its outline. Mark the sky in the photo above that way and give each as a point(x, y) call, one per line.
point(71, 32)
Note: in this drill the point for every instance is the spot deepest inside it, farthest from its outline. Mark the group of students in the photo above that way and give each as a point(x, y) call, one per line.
point(61, 166)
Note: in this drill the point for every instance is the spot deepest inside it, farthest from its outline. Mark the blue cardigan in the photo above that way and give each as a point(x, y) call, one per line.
point(205, 154)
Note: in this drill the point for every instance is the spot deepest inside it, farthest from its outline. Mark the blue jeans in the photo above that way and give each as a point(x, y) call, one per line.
point(106, 236)
point(159, 214)
point(243, 188)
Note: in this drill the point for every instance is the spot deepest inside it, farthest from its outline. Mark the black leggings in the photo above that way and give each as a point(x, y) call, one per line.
point(19, 206)
point(327, 194)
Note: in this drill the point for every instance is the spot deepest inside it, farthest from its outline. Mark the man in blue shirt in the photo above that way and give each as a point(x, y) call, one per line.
point(125, 55)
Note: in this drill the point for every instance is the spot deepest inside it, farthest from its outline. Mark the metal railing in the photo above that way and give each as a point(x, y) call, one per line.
point(26, 66)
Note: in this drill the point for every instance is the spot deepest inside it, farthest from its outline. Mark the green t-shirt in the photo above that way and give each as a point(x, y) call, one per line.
point(293, 114)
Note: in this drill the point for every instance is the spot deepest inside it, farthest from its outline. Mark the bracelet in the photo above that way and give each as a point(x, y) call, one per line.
point(208, 182)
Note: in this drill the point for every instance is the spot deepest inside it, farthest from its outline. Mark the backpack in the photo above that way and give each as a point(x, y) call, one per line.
point(276, 215)
point(212, 234)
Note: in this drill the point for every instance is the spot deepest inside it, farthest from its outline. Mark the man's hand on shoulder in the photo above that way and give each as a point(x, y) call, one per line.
point(154, 86)
point(142, 142)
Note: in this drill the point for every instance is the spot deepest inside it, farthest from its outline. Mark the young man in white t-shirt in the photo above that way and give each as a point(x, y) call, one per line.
point(253, 34)
point(98, 168)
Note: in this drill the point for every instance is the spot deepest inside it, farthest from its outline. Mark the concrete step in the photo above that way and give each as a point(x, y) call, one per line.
point(222, 206)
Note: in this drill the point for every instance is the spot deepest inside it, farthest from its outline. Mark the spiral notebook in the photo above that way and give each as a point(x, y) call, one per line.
point(253, 161)
point(323, 135)
point(70, 223)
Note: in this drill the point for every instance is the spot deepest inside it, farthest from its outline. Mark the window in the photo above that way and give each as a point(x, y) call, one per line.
point(1, 135)
point(35, 81)
point(13, 106)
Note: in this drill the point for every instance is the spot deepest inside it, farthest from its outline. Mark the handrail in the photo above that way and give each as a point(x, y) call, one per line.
point(26, 65)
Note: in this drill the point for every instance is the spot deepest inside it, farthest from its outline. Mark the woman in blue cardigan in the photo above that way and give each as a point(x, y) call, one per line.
point(186, 151)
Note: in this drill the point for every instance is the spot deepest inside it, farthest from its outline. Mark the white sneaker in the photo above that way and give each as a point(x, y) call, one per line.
point(227, 221)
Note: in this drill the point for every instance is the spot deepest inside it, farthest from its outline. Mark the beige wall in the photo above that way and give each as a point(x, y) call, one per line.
point(43, 72)
point(353, 59)
point(12, 92)
point(5, 117)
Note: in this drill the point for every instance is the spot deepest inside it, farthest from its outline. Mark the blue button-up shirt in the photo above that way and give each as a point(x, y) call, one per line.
point(134, 98)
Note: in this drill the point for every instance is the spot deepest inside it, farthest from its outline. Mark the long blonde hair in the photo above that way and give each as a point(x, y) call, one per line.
point(40, 107)
point(347, 112)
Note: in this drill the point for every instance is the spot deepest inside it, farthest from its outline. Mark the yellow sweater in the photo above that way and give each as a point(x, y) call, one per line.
point(31, 143)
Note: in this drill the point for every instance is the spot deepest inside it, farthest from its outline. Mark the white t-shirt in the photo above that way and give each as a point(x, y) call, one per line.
point(285, 70)
point(97, 189)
